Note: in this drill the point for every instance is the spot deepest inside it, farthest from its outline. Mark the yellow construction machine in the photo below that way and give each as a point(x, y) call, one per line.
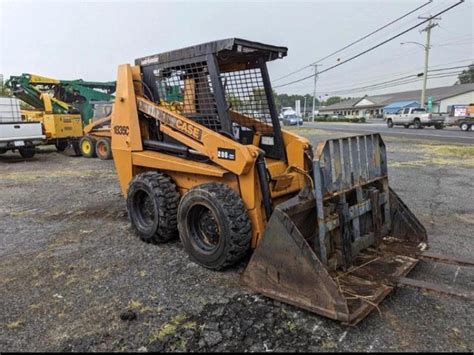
point(97, 137)
point(58, 127)
point(64, 107)
point(200, 153)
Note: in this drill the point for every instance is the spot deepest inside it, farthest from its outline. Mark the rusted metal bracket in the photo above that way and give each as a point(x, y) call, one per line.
point(429, 286)
point(443, 289)
point(447, 259)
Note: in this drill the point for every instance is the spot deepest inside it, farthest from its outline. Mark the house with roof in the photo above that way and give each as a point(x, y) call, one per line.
point(373, 106)
point(399, 105)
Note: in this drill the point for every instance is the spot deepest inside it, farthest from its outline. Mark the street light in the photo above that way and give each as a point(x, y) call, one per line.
point(425, 71)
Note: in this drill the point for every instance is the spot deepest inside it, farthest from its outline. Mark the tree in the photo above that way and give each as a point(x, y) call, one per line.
point(466, 76)
point(4, 91)
point(285, 100)
point(234, 102)
point(333, 100)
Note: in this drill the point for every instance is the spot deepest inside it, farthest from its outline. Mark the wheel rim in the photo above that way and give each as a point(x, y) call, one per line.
point(86, 147)
point(145, 209)
point(102, 149)
point(205, 231)
point(464, 127)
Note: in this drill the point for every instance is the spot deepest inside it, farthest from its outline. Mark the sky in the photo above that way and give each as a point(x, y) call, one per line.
point(89, 39)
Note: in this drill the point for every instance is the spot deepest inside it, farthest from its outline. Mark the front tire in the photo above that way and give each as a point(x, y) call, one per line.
point(87, 147)
point(389, 123)
point(214, 226)
point(152, 204)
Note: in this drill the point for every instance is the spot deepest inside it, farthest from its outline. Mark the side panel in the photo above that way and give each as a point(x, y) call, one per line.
point(62, 126)
point(163, 161)
point(125, 127)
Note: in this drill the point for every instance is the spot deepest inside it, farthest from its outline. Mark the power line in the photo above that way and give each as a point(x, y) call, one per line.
point(356, 41)
point(459, 44)
point(374, 47)
point(407, 77)
point(458, 67)
point(370, 80)
point(398, 82)
point(351, 44)
point(456, 62)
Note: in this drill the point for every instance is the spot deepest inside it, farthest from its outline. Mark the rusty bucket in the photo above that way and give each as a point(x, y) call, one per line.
point(340, 248)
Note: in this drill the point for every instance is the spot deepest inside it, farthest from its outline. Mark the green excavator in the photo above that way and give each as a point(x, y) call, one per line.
point(65, 107)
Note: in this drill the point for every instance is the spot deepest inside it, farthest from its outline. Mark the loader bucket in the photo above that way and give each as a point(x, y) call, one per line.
point(338, 250)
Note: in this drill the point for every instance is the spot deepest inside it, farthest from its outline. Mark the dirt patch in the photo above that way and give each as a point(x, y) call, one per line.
point(74, 276)
point(250, 322)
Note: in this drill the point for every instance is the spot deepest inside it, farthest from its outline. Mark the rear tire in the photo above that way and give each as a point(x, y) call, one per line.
point(27, 152)
point(87, 147)
point(464, 127)
point(152, 204)
point(389, 123)
point(103, 149)
point(214, 226)
point(417, 123)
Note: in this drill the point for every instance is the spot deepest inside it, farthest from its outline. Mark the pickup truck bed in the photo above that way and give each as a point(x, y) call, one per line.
point(16, 134)
point(417, 117)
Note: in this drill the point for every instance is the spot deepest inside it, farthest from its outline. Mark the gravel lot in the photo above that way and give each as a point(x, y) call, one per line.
point(74, 277)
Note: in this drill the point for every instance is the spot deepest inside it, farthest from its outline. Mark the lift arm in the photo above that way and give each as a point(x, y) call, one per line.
point(66, 95)
point(26, 91)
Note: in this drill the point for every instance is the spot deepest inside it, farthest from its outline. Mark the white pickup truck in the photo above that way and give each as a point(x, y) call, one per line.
point(16, 134)
point(416, 117)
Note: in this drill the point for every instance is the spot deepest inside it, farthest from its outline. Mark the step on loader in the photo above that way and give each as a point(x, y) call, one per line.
point(200, 153)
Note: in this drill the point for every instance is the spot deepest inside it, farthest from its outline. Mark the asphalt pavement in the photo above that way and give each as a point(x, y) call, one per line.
point(446, 135)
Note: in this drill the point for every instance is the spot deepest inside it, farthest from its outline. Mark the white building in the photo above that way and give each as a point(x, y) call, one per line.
point(370, 106)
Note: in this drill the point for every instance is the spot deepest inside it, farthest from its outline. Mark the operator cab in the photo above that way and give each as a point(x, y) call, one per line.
point(222, 85)
point(101, 109)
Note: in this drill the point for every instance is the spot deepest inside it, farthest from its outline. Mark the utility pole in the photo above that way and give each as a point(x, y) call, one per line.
point(314, 91)
point(428, 28)
point(304, 112)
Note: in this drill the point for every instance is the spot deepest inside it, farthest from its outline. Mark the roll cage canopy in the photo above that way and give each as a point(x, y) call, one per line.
point(218, 83)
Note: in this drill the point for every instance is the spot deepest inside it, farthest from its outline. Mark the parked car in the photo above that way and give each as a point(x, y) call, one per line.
point(16, 134)
point(416, 117)
point(292, 120)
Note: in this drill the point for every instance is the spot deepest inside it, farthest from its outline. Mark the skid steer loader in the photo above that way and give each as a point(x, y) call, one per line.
point(199, 153)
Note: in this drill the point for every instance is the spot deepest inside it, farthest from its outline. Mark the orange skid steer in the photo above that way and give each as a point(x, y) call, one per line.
point(200, 153)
